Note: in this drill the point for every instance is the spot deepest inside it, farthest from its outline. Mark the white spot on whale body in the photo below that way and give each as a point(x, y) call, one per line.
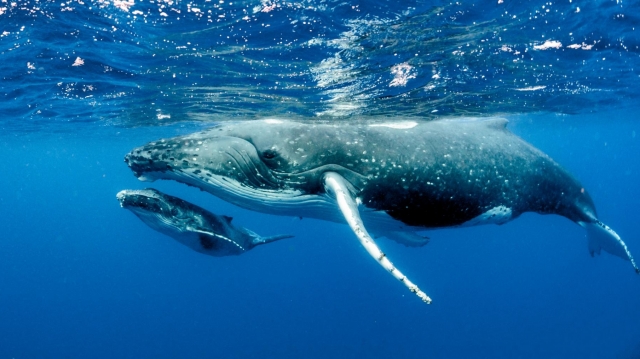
point(402, 125)
point(531, 88)
point(273, 121)
point(496, 215)
point(549, 44)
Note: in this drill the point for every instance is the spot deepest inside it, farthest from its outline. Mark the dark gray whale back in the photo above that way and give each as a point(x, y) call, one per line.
point(429, 174)
point(436, 174)
point(444, 175)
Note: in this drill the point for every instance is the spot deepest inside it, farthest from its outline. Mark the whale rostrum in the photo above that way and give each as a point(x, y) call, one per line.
point(384, 179)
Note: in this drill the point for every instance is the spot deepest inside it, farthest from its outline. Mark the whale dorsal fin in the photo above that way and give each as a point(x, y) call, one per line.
point(228, 219)
point(498, 123)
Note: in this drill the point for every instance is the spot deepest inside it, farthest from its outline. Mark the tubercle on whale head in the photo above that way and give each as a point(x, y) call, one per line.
point(205, 160)
point(139, 164)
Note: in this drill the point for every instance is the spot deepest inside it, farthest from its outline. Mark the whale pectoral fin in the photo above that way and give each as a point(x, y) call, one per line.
point(600, 236)
point(409, 239)
point(339, 188)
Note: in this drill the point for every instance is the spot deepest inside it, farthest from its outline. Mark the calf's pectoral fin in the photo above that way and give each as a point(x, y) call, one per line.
point(600, 236)
point(339, 188)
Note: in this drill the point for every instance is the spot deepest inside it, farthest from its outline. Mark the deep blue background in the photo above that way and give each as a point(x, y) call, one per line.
point(82, 277)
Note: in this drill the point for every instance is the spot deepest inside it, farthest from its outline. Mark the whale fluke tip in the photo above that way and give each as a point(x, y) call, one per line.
point(600, 236)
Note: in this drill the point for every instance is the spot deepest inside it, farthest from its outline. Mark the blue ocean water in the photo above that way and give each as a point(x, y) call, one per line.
point(83, 82)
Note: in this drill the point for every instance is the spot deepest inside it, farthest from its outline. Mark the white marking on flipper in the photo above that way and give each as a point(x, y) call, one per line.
point(218, 236)
point(339, 188)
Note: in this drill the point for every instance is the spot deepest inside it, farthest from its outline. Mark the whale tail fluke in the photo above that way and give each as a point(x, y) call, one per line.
point(258, 239)
point(275, 238)
point(600, 236)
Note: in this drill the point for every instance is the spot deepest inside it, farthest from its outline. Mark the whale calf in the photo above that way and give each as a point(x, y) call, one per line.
point(191, 225)
point(385, 179)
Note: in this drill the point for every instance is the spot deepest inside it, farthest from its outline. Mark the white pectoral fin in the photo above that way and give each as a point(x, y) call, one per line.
point(600, 236)
point(338, 187)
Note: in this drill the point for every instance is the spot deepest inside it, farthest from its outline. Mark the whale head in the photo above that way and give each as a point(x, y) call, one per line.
point(268, 165)
point(159, 211)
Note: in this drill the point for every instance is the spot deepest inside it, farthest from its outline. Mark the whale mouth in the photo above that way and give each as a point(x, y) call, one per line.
point(147, 200)
point(159, 211)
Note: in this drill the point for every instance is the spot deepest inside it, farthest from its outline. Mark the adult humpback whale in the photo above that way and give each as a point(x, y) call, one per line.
point(390, 179)
point(191, 225)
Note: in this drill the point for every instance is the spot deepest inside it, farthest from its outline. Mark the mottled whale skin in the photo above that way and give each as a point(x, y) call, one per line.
point(434, 174)
point(391, 179)
point(191, 225)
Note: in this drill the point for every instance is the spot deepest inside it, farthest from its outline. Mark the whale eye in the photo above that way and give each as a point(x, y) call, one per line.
point(270, 154)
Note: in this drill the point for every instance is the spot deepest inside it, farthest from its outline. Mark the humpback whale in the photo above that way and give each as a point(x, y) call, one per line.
point(191, 225)
point(385, 179)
